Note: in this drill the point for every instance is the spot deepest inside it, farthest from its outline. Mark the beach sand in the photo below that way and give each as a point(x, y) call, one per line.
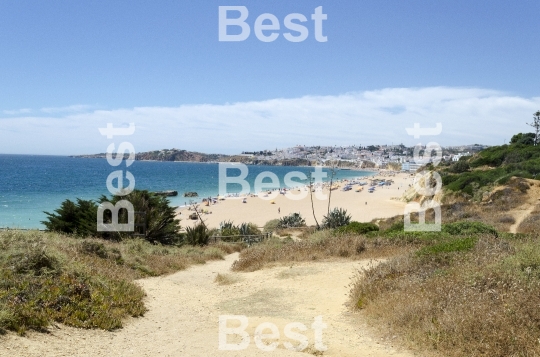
point(362, 206)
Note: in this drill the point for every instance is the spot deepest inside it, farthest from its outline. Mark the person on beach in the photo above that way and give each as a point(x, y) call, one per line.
point(279, 210)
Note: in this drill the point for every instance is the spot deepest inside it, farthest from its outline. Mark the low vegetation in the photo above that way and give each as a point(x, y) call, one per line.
point(357, 228)
point(230, 232)
point(320, 245)
point(82, 282)
point(475, 295)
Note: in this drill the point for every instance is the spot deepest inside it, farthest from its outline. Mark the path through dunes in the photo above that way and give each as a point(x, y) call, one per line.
point(525, 210)
point(184, 310)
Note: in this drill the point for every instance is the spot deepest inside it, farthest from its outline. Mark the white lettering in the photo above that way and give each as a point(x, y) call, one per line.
point(224, 22)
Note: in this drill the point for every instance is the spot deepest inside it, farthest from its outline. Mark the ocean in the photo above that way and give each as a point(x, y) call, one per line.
point(32, 184)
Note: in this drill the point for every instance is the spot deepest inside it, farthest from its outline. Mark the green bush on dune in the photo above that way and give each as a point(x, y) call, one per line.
point(468, 228)
point(293, 220)
point(338, 217)
point(357, 228)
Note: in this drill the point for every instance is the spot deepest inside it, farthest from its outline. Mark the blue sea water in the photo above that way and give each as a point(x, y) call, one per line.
point(32, 184)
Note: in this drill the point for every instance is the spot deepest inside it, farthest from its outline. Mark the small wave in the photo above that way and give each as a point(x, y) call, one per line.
point(5, 206)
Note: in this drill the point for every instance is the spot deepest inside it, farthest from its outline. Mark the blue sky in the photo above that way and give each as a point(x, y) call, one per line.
point(69, 67)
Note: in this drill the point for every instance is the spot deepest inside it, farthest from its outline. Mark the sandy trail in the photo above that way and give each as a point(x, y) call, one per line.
point(520, 214)
point(525, 210)
point(184, 310)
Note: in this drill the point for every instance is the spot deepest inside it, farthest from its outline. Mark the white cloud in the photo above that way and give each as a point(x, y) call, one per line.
point(17, 111)
point(69, 109)
point(468, 115)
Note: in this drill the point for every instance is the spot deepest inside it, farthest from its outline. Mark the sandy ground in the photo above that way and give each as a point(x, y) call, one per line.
point(362, 206)
point(184, 310)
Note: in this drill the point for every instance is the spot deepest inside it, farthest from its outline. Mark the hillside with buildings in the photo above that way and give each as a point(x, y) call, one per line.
point(397, 157)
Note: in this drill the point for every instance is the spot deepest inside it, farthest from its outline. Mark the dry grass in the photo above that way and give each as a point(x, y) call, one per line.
point(86, 283)
point(467, 302)
point(319, 246)
point(226, 279)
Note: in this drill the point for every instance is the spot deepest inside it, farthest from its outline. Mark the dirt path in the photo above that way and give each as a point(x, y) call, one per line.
point(520, 214)
point(524, 211)
point(184, 310)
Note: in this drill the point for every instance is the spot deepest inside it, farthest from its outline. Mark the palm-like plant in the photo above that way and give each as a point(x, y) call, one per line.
point(197, 235)
point(338, 217)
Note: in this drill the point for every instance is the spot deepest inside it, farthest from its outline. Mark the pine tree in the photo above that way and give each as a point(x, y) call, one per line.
point(536, 125)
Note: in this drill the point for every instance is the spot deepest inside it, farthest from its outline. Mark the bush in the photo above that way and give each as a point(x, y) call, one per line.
point(459, 167)
point(36, 261)
point(291, 221)
point(523, 139)
point(357, 228)
point(249, 229)
point(467, 228)
point(197, 235)
point(455, 245)
point(159, 217)
point(338, 217)
point(396, 227)
point(271, 225)
point(74, 218)
point(94, 248)
point(231, 233)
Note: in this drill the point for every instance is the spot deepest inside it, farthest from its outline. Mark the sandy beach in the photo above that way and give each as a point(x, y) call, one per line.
point(362, 206)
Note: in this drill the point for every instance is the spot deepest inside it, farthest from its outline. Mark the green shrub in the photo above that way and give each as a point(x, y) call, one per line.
point(226, 225)
point(159, 217)
point(456, 245)
point(291, 221)
point(197, 235)
point(271, 225)
point(357, 228)
point(94, 248)
point(249, 229)
point(338, 217)
point(232, 233)
point(74, 218)
point(396, 227)
point(36, 261)
point(523, 139)
point(459, 167)
point(467, 228)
